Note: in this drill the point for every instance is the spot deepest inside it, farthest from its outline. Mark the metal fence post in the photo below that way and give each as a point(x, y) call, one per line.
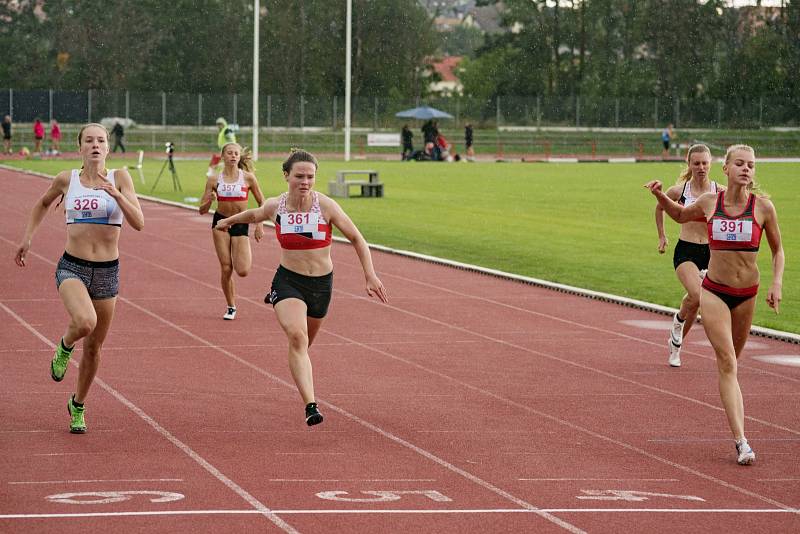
point(163, 109)
point(655, 112)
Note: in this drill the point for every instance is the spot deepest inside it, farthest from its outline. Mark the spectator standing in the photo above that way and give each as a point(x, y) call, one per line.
point(666, 140)
point(38, 135)
point(468, 141)
point(118, 132)
point(55, 137)
point(407, 137)
point(7, 134)
point(225, 135)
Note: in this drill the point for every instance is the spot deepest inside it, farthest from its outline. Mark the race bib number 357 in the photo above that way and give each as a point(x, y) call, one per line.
point(732, 230)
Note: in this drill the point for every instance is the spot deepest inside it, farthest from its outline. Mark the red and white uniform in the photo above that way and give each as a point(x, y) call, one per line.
point(302, 230)
point(235, 192)
point(734, 232)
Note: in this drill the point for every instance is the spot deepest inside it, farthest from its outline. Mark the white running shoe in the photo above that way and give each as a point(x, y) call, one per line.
point(675, 341)
point(230, 315)
point(674, 354)
point(746, 455)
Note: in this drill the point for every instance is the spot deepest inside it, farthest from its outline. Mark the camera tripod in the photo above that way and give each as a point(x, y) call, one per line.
point(176, 184)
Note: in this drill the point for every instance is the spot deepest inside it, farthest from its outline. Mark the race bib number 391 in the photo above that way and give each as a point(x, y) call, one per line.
point(732, 230)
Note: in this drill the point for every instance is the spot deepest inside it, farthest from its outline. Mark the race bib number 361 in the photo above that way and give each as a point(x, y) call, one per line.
point(729, 230)
point(299, 223)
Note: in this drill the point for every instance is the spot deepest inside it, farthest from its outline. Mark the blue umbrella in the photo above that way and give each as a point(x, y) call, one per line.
point(423, 112)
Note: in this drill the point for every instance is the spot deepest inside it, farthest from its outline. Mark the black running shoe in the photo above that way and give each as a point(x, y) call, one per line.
point(313, 417)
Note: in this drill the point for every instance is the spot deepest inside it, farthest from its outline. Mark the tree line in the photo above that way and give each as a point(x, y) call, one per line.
point(206, 46)
point(688, 49)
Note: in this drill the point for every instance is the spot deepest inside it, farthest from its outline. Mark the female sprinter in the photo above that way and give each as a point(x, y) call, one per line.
point(302, 286)
point(690, 258)
point(87, 276)
point(231, 188)
point(736, 220)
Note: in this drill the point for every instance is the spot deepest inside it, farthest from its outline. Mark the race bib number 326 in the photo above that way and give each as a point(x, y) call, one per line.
point(732, 230)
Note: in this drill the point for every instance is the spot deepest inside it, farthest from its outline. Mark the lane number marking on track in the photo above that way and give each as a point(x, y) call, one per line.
point(382, 496)
point(632, 496)
point(108, 497)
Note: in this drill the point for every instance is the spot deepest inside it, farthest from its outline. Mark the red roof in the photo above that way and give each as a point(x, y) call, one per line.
point(446, 66)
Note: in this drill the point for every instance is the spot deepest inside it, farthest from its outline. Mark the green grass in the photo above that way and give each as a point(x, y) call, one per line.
point(587, 225)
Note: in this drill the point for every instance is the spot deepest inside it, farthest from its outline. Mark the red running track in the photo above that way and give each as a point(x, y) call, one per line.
point(468, 404)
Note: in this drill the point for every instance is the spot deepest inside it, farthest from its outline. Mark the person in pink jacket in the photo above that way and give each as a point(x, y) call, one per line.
point(38, 134)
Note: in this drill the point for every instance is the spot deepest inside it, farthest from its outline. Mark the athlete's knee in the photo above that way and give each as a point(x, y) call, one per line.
point(692, 301)
point(298, 338)
point(242, 270)
point(726, 362)
point(84, 324)
point(226, 269)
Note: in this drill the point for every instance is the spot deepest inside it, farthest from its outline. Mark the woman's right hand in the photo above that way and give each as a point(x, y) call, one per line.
point(654, 186)
point(662, 244)
point(222, 225)
point(19, 258)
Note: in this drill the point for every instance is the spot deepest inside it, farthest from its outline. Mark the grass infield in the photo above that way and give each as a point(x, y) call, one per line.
point(586, 225)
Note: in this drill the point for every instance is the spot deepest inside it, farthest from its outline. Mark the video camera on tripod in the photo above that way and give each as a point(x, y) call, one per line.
point(169, 148)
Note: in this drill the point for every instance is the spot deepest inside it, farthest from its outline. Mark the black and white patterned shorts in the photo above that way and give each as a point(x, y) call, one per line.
point(101, 278)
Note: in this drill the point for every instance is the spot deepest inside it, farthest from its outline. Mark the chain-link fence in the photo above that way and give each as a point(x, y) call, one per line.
point(275, 111)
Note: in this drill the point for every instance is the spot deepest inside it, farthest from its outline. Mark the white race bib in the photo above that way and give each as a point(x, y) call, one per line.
point(732, 230)
point(88, 207)
point(299, 223)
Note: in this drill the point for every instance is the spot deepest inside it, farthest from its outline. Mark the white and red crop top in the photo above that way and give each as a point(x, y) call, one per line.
point(93, 206)
point(237, 191)
point(302, 230)
point(739, 232)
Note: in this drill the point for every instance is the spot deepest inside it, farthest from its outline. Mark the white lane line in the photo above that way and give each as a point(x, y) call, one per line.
point(352, 480)
point(733, 511)
point(601, 479)
point(566, 423)
point(99, 480)
point(422, 452)
point(216, 473)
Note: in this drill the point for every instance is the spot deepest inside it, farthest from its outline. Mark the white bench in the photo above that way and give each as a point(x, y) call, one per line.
point(372, 187)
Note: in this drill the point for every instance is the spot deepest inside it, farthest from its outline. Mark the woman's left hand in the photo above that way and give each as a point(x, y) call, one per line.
point(774, 297)
point(109, 188)
point(375, 289)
